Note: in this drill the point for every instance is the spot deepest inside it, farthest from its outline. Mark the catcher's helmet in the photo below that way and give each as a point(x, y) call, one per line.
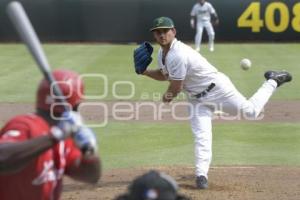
point(153, 185)
point(71, 86)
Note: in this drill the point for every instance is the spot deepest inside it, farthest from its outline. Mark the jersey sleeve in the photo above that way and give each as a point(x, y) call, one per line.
point(177, 68)
point(212, 11)
point(14, 132)
point(194, 11)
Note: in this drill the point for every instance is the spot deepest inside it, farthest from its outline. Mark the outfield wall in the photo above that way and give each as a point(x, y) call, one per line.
point(129, 20)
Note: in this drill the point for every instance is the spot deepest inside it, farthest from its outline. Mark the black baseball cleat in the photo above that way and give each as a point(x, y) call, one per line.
point(280, 77)
point(201, 182)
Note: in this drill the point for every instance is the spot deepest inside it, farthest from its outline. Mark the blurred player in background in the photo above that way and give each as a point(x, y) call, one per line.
point(207, 89)
point(36, 150)
point(201, 16)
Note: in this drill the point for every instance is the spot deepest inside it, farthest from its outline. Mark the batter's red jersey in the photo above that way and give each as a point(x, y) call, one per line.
point(42, 178)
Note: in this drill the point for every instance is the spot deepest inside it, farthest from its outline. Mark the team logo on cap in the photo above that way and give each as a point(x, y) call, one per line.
point(160, 21)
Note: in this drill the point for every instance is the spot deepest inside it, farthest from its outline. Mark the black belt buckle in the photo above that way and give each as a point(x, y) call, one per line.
point(204, 92)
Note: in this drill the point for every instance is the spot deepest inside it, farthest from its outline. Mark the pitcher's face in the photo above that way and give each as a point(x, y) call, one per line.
point(164, 36)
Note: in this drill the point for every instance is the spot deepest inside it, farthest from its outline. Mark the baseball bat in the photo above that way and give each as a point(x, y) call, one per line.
point(26, 31)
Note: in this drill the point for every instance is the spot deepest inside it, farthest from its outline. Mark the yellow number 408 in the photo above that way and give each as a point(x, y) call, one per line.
point(250, 18)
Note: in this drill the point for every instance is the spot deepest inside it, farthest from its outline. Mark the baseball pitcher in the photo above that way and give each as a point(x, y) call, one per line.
point(207, 89)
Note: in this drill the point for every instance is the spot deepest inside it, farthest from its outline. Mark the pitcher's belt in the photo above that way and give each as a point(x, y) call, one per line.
point(204, 92)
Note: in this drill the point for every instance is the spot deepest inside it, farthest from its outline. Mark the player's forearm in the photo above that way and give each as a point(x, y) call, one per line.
point(169, 95)
point(173, 90)
point(216, 15)
point(155, 74)
point(193, 21)
point(15, 156)
point(88, 170)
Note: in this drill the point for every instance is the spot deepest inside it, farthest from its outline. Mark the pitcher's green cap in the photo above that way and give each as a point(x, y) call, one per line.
point(162, 22)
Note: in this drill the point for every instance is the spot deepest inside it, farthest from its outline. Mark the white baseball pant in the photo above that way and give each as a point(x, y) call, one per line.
point(199, 31)
point(227, 98)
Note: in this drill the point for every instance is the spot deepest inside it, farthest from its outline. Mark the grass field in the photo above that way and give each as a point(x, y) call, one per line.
point(115, 61)
point(141, 144)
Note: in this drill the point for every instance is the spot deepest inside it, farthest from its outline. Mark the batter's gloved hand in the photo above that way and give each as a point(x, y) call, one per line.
point(86, 141)
point(142, 57)
point(69, 124)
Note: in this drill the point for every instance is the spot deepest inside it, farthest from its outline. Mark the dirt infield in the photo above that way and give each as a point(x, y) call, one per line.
point(275, 111)
point(229, 183)
point(225, 183)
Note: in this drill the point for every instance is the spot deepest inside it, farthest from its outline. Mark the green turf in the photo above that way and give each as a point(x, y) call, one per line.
point(150, 144)
point(115, 62)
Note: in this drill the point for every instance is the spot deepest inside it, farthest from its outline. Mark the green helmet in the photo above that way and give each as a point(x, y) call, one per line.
point(162, 22)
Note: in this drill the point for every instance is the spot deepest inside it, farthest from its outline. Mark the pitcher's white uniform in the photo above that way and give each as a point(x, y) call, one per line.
point(184, 63)
point(203, 15)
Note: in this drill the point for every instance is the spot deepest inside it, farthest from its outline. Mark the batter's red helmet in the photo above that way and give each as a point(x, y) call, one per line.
point(71, 86)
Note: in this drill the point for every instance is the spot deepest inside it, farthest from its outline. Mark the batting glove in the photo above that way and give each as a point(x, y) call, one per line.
point(70, 123)
point(86, 141)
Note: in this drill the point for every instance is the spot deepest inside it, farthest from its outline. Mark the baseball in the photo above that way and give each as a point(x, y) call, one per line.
point(245, 64)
